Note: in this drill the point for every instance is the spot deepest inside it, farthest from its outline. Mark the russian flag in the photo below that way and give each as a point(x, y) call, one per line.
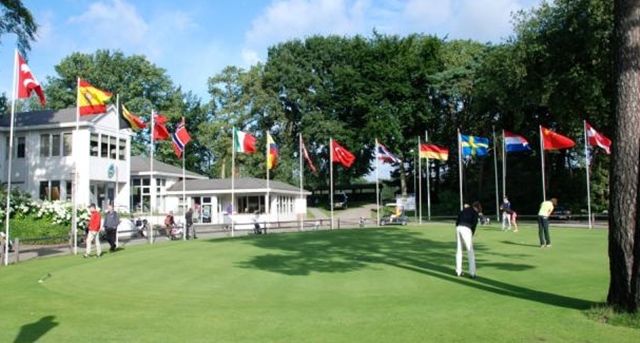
point(384, 155)
point(515, 143)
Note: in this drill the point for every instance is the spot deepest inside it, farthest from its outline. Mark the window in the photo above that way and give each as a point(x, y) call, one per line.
point(50, 190)
point(67, 144)
point(44, 145)
point(104, 147)
point(112, 148)
point(69, 190)
point(251, 204)
point(55, 145)
point(123, 149)
point(21, 147)
point(94, 145)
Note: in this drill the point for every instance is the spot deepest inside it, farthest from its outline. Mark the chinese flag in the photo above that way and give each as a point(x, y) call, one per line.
point(27, 82)
point(555, 141)
point(341, 155)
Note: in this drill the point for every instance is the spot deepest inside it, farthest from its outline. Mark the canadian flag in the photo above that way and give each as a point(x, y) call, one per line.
point(597, 139)
point(26, 81)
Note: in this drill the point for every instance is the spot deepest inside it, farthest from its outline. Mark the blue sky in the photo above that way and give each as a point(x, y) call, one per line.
point(193, 40)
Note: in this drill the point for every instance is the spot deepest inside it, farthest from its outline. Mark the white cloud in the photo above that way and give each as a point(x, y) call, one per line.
point(111, 24)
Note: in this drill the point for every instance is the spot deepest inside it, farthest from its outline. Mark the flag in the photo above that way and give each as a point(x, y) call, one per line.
point(130, 121)
point(243, 142)
point(160, 131)
point(180, 138)
point(515, 143)
point(305, 153)
point(434, 152)
point(91, 100)
point(272, 152)
point(27, 82)
point(597, 139)
point(341, 154)
point(474, 145)
point(555, 141)
point(384, 155)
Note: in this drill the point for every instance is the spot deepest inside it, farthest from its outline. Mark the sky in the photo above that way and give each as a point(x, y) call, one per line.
point(194, 40)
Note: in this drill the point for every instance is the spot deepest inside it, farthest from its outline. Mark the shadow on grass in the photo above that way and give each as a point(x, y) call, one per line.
point(521, 244)
point(32, 332)
point(342, 251)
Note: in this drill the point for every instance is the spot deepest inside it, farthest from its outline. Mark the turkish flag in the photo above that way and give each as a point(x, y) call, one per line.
point(341, 155)
point(26, 81)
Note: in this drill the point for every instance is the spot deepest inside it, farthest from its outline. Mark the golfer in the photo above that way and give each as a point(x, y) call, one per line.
point(465, 228)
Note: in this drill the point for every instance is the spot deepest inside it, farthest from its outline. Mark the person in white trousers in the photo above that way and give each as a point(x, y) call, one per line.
point(466, 224)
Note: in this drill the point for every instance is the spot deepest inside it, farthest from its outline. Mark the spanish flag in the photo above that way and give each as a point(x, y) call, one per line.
point(129, 120)
point(91, 100)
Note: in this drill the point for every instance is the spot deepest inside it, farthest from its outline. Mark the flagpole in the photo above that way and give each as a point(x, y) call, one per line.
point(184, 187)
point(117, 157)
point(152, 186)
point(377, 187)
point(495, 169)
point(588, 171)
point(76, 138)
point(544, 188)
point(504, 165)
point(233, 179)
point(418, 171)
point(460, 169)
point(7, 230)
point(426, 138)
point(267, 164)
point(301, 179)
point(331, 178)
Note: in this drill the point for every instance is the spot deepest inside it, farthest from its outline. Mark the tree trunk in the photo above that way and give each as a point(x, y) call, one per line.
point(624, 234)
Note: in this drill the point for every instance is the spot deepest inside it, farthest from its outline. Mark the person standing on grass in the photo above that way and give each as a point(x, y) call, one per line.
point(94, 232)
point(466, 224)
point(111, 222)
point(188, 219)
point(506, 214)
point(514, 220)
point(543, 222)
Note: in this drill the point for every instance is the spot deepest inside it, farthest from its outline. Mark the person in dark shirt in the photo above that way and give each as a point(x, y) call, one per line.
point(466, 224)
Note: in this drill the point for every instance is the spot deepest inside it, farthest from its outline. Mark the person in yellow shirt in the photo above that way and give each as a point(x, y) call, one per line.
point(543, 221)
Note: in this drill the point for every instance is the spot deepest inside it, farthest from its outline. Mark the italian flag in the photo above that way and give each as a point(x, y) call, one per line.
point(243, 142)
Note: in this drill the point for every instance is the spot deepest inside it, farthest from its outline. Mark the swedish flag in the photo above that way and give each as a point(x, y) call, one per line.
point(474, 145)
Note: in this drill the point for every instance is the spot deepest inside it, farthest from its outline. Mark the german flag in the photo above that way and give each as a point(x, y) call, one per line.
point(130, 121)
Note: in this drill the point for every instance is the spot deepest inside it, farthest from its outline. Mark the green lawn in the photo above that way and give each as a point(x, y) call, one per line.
point(365, 285)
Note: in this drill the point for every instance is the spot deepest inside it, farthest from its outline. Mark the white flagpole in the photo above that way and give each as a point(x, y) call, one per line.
point(301, 179)
point(117, 157)
point(233, 179)
point(419, 173)
point(544, 188)
point(588, 171)
point(331, 178)
point(504, 165)
point(426, 139)
point(267, 204)
point(10, 157)
point(377, 187)
point(495, 170)
point(184, 188)
point(152, 183)
point(460, 168)
point(76, 139)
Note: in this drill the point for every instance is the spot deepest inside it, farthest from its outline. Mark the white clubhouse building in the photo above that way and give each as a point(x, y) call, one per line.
point(50, 147)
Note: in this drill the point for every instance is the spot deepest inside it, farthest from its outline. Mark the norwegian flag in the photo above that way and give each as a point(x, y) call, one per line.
point(341, 154)
point(180, 138)
point(597, 139)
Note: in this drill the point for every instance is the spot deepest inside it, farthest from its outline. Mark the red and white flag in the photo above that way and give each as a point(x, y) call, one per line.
point(27, 82)
point(341, 154)
point(180, 138)
point(597, 139)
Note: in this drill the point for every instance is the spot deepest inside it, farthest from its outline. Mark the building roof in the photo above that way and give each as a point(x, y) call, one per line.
point(141, 165)
point(44, 118)
point(213, 186)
